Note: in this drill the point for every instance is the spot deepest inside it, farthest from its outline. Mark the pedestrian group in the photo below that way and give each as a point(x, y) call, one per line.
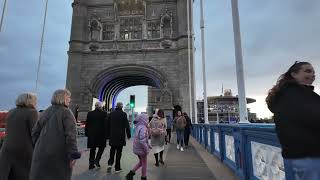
point(43, 145)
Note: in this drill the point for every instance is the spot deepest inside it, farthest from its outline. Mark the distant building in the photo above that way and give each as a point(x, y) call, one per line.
point(224, 108)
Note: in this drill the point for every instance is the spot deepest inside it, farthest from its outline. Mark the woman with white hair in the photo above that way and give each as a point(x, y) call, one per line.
point(55, 139)
point(16, 153)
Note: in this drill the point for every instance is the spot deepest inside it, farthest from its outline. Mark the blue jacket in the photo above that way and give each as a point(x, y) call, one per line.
point(169, 122)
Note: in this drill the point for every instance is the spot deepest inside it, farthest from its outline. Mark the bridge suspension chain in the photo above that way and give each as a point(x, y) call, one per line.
point(2, 16)
point(41, 44)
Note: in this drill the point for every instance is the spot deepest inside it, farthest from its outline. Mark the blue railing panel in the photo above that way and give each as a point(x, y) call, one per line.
point(252, 151)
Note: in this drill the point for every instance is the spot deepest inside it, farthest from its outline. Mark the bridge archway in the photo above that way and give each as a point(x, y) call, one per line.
point(108, 83)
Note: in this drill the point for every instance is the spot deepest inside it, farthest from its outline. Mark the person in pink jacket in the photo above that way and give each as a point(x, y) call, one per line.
point(141, 146)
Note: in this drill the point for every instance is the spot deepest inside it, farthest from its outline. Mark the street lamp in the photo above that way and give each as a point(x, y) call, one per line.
point(205, 100)
point(239, 64)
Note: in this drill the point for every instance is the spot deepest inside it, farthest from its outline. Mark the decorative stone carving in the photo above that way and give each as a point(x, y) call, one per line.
point(94, 46)
point(131, 7)
point(166, 43)
point(216, 142)
point(229, 142)
point(166, 95)
point(267, 161)
point(95, 28)
point(166, 25)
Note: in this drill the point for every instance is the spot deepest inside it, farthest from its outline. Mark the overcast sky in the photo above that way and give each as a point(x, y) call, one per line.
point(274, 34)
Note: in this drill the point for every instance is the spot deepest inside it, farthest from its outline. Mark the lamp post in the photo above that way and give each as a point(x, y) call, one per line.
point(239, 64)
point(193, 69)
point(189, 58)
point(205, 100)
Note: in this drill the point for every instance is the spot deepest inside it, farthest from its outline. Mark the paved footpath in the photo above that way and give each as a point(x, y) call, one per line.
point(179, 165)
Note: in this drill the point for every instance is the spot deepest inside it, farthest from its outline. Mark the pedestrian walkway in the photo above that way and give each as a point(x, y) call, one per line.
point(178, 165)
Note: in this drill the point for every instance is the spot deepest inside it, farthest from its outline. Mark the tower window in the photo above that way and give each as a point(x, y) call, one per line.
point(153, 30)
point(108, 32)
point(130, 28)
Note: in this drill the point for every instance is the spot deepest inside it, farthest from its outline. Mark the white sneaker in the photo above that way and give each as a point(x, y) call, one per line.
point(109, 169)
point(118, 171)
point(181, 149)
point(178, 146)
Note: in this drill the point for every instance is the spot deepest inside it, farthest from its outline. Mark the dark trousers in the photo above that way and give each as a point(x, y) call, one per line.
point(186, 137)
point(93, 158)
point(115, 150)
point(168, 135)
point(157, 157)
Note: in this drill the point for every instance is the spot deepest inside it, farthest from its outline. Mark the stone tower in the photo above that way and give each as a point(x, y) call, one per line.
point(116, 44)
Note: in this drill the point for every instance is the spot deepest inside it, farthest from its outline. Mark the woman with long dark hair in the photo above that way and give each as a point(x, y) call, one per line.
point(296, 109)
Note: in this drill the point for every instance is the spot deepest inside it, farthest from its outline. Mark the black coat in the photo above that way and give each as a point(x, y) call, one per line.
point(96, 128)
point(118, 128)
point(188, 127)
point(296, 111)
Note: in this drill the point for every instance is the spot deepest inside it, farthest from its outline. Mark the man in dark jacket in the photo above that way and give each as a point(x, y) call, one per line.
point(96, 131)
point(118, 128)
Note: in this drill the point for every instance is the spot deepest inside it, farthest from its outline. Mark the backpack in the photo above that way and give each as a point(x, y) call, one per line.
point(156, 130)
point(180, 124)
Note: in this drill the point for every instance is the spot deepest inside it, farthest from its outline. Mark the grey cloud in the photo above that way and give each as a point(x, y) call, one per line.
point(274, 34)
point(19, 49)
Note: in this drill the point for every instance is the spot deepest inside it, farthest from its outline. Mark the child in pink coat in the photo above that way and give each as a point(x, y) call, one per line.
point(141, 146)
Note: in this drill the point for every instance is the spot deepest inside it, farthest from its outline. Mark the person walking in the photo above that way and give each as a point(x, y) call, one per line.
point(180, 124)
point(158, 132)
point(55, 139)
point(96, 131)
point(76, 112)
point(169, 128)
point(296, 109)
point(17, 149)
point(118, 127)
point(187, 129)
point(141, 146)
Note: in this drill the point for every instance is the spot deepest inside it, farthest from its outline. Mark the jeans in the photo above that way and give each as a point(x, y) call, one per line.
point(180, 136)
point(305, 168)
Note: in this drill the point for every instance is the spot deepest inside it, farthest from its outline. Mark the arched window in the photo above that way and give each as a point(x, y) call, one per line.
point(130, 28)
point(153, 30)
point(166, 28)
point(107, 31)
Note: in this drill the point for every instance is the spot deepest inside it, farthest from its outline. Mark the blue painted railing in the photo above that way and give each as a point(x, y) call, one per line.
point(252, 151)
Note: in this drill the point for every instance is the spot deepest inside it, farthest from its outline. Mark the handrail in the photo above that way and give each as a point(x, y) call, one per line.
point(252, 151)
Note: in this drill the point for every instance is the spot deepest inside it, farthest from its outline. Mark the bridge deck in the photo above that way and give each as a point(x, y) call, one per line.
point(193, 163)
